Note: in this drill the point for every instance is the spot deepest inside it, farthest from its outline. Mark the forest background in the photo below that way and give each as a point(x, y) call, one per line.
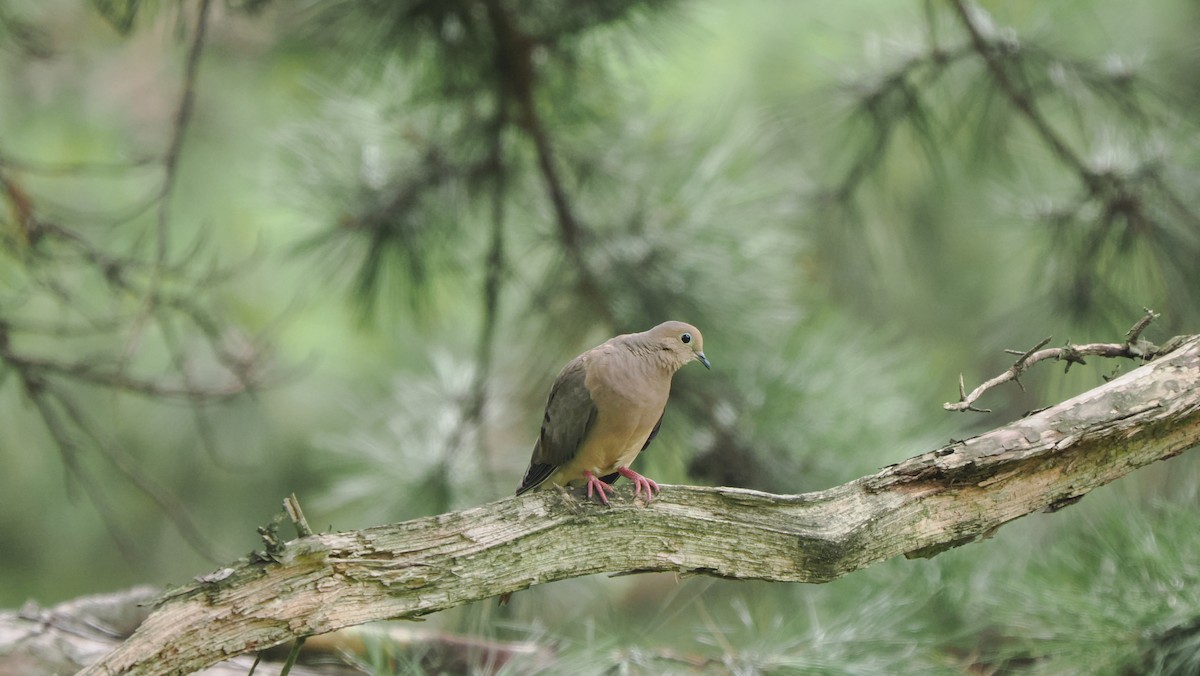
point(341, 249)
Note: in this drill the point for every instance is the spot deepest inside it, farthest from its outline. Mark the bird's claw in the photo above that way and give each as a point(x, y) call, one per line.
point(639, 483)
point(594, 484)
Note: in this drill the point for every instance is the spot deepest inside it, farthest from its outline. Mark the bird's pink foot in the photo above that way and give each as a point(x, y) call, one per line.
point(594, 484)
point(639, 483)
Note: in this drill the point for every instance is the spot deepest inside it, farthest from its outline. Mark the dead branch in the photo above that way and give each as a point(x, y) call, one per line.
point(922, 506)
point(1132, 348)
point(64, 638)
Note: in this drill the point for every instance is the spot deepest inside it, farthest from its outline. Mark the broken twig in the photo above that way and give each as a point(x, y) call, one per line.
point(1133, 348)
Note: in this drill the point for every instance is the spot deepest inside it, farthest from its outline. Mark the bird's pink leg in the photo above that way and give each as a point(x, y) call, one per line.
point(595, 484)
point(639, 482)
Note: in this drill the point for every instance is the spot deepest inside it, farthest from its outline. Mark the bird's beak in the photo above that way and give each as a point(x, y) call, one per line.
point(703, 360)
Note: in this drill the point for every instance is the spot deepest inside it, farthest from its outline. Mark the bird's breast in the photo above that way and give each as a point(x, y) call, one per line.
point(629, 403)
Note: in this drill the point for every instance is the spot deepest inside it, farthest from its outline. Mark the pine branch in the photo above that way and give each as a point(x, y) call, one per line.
point(514, 61)
point(922, 506)
point(1020, 99)
point(183, 115)
point(1121, 195)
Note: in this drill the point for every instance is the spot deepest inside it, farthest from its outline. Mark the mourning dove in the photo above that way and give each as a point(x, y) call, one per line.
point(606, 406)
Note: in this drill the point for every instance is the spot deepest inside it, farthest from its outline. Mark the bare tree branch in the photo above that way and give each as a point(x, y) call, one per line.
point(1132, 348)
point(66, 637)
point(922, 506)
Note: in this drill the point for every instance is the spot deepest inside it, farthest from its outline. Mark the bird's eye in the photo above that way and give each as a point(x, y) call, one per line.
point(686, 338)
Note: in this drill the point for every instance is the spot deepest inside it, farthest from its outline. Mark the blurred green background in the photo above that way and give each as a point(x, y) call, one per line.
point(392, 222)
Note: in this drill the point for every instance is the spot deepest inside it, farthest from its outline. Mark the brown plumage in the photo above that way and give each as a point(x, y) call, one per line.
point(606, 406)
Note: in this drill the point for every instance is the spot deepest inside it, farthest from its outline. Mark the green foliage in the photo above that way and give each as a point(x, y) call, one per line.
point(407, 455)
point(448, 200)
point(119, 13)
point(396, 197)
point(1119, 597)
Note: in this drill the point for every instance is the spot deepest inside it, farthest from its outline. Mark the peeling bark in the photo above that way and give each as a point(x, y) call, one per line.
point(941, 499)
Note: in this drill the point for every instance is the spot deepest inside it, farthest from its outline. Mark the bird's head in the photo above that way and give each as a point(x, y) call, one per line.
point(682, 340)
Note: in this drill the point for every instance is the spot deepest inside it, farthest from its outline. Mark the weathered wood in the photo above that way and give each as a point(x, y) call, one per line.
point(919, 507)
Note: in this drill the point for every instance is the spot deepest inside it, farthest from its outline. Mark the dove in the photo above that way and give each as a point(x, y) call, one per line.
point(605, 408)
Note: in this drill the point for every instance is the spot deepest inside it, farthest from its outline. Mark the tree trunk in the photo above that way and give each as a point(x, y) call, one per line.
point(924, 505)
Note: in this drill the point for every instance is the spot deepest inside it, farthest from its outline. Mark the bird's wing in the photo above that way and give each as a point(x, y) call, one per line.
point(570, 415)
